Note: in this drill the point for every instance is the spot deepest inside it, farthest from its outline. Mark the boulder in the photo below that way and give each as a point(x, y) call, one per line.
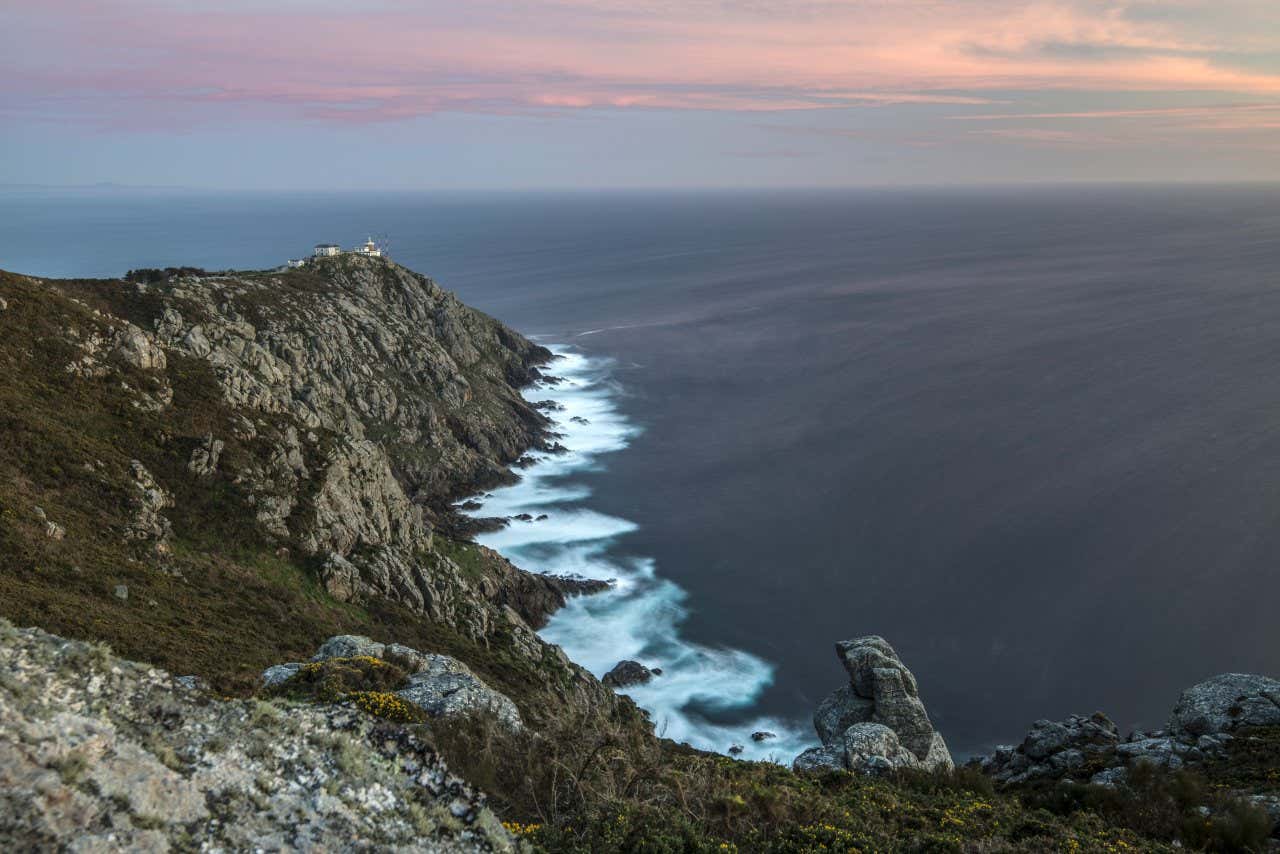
point(877, 722)
point(1224, 703)
point(278, 673)
point(763, 735)
point(872, 748)
point(446, 688)
point(349, 646)
point(627, 673)
point(820, 759)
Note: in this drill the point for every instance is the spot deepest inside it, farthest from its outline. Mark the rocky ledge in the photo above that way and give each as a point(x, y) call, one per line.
point(102, 754)
point(1207, 718)
point(876, 723)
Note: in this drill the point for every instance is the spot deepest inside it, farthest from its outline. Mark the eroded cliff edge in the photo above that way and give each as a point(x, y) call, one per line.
point(215, 472)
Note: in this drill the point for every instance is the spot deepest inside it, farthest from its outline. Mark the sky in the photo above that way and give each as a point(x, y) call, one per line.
point(485, 94)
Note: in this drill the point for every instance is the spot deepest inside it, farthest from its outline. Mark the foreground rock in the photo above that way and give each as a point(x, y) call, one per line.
point(102, 754)
point(439, 685)
point(877, 722)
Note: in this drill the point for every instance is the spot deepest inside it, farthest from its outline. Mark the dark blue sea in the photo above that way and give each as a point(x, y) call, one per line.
point(1030, 436)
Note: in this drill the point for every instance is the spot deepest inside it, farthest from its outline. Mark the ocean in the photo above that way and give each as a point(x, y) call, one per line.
point(1030, 436)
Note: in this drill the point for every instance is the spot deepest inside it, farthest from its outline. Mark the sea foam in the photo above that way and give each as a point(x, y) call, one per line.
point(640, 616)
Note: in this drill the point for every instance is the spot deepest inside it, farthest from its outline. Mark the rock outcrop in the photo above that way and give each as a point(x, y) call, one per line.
point(876, 723)
point(439, 685)
point(1090, 749)
point(102, 754)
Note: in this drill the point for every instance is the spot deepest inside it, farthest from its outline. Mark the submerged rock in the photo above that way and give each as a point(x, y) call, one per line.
point(627, 673)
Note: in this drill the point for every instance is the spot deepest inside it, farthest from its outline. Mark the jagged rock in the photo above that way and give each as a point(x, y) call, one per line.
point(4, 304)
point(881, 695)
point(1092, 733)
point(1053, 749)
point(54, 531)
point(763, 735)
point(736, 749)
point(138, 348)
point(204, 459)
point(1224, 703)
point(147, 524)
point(627, 673)
point(349, 646)
point(340, 577)
point(102, 754)
point(121, 592)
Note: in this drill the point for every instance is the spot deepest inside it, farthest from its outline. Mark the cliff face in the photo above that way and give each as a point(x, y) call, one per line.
point(215, 472)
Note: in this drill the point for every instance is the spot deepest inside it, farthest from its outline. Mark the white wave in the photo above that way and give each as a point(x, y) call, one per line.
point(640, 616)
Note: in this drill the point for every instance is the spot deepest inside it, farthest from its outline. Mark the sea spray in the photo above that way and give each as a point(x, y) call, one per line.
point(640, 616)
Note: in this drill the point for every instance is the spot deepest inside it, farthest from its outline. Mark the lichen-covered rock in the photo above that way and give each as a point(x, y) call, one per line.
point(98, 753)
point(349, 646)
point(1226, 702)
point(840, 710)
point(872, 748)
point(446, 688)
point(820, 759)
point(881, 697)
point(278, 674)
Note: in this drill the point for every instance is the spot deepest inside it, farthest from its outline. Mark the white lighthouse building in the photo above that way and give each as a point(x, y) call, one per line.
point(369, 248)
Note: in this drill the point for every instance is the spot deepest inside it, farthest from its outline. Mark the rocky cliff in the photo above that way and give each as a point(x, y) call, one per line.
point(214, 472)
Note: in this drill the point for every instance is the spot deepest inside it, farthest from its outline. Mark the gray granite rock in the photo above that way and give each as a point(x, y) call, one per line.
point(840, 710)
point(872, 748)
point(445, 687)
point(348, 646)
point(1224, 703)
point(820, 759)
point(87, 765)
point(279, 673)
point(881, 696)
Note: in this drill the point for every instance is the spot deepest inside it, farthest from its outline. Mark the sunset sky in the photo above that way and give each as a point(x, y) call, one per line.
point(636, 93)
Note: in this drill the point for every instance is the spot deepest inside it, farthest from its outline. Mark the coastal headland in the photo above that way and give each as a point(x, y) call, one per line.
point(229, 516)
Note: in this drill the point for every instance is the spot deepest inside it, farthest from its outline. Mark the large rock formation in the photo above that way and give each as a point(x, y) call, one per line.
point(102, 754)
point(877, 722)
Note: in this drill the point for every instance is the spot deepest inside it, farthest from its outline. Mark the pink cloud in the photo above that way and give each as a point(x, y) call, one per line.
point(380, 61)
